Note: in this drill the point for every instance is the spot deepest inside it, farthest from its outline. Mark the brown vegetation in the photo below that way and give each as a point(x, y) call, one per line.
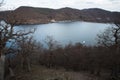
point(102, 60)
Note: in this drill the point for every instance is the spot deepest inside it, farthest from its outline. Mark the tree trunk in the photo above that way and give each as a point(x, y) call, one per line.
point(28, 65)
point(2, 63)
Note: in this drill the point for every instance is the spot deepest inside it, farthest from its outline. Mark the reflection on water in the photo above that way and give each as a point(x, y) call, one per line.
point(84, 32)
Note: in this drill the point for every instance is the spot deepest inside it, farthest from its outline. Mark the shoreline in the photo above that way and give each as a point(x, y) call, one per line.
point(64, 21)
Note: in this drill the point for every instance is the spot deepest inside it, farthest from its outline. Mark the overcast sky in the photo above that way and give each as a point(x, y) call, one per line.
point(112, 5)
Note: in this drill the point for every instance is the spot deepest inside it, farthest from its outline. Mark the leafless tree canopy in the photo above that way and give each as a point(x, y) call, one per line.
point(7, 34)
point(110, 37)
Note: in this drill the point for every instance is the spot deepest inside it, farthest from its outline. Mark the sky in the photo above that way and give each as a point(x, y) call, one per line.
point(111, 5)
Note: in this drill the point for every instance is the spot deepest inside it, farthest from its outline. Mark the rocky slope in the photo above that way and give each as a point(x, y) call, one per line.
point(31, 15)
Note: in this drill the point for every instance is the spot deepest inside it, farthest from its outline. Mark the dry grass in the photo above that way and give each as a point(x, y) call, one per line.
point(43, 73)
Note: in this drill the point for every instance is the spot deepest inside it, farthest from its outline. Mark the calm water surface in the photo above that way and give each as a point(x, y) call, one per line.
point(66, 32)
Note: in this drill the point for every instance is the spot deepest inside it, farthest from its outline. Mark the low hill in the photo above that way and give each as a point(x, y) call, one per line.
point(32, 15)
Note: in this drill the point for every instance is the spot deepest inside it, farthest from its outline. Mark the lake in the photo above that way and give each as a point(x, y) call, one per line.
point(66, 32)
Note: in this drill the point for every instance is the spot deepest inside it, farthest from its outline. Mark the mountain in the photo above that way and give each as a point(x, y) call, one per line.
point(32, 15)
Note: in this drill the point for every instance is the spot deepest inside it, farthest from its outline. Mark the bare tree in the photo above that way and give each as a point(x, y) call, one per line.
point(51, 43)
point(110, 37)
point(7, 34)
point(27, 47)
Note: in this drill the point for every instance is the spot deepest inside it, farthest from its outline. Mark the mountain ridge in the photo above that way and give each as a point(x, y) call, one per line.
point(34, 15)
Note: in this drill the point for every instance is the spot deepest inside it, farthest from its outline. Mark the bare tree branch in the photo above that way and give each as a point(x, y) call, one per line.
point(7, 33)
point(110, 37)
